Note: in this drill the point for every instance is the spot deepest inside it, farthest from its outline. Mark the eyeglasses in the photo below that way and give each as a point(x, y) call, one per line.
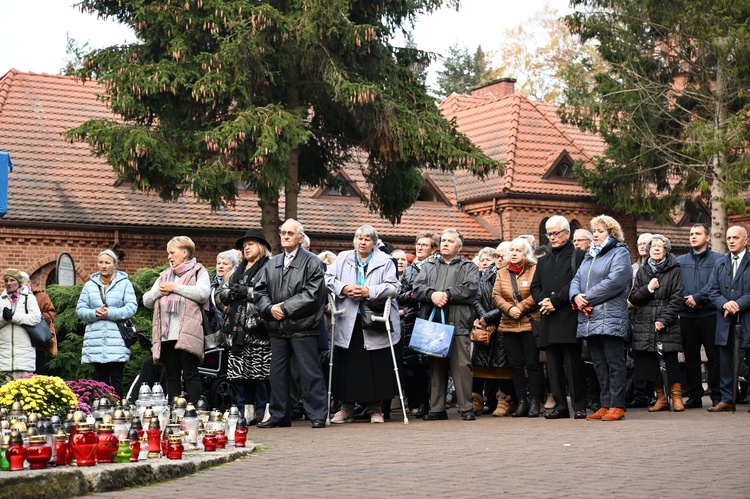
point(421, 245)
point(579, 240)
point(289, 233)
point(556, 233)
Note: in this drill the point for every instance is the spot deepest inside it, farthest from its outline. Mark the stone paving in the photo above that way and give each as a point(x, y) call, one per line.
point(689, 454)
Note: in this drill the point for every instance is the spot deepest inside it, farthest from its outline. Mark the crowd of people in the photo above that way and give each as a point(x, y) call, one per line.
point(575, 329)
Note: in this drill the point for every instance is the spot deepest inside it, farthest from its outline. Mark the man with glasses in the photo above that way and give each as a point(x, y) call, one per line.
point(559, 321)
point(698, 317)
point(417, 374)
point(290, 296)
point(582, 239)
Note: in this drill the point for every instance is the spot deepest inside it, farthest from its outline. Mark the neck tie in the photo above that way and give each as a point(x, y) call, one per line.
point(735, 265)
point(287, 259)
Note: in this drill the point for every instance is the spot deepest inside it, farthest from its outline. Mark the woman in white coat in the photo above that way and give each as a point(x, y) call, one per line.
point(19, 309)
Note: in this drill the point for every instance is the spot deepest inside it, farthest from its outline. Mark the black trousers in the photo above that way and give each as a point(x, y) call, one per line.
point(523, 358)
point(110, 373)
point(697, 332)
point(564, 363)
point(180, 366)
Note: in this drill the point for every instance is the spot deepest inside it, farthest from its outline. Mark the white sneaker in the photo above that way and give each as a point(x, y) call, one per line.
point(376, 417)
point(342, 417)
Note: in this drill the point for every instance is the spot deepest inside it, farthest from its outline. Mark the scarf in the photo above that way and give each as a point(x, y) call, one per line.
point(361, 267)
point(516, 269)
point(595, 250)
point(170, 304)
point(656, 266)
point(106, 281)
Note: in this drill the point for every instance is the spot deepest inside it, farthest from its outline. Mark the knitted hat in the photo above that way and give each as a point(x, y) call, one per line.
point(15, 274)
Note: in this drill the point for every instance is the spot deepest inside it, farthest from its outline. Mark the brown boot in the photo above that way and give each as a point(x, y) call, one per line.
point(676, 390)
point(661, 401)
point(477, 403)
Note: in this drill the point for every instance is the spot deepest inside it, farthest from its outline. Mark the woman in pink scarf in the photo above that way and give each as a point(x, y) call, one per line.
point(177, 329)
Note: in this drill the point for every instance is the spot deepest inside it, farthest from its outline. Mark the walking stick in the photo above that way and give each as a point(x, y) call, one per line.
point(736, 360)
point(334, 313)
point(385, 318)
point(663, 369)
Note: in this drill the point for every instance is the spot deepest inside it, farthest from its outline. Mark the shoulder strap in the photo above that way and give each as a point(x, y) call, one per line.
point(516, 294)
point(101, 293)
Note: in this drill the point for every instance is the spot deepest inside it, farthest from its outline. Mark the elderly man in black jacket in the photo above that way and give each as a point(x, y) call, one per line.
point(559, 321)
point(451, 283)
point(290, 296)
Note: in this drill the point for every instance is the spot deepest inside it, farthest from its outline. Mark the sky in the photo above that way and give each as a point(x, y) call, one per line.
point(33, 34)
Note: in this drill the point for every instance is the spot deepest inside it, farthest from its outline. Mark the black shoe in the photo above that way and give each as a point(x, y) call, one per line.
point(580, 415)
point(424, 409)
point(298, 415)
point(693, 403)
point(435, 416)
point(636, 402)
point(594, 406)
point(522, 410)
point(272, 423)
point(487, 410)
point(556, 413)
point(319, 423)
point(534, 408)
point(468, 415)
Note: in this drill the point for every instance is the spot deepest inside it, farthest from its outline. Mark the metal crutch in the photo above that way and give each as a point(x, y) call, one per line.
point(334, 313)
point(384, 318)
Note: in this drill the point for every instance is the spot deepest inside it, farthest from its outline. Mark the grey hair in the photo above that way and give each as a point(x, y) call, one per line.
point(529, 239)
point(110, 254)
point(522, 242)
point(664, 239)
point(555, 220)
point(744, 230)
point(300, 229)
point(588, 235)
point(25, 277)
point(327, 257)
point(228, 255)
point(367, 231)
point(645, 235)
point(484, 251)
point(306, 242)
point(458, 235)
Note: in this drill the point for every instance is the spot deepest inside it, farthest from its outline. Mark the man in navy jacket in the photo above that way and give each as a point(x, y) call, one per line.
point(729, 291)
point(698, 316)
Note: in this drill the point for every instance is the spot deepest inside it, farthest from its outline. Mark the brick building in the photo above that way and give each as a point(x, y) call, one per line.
point(64, 199)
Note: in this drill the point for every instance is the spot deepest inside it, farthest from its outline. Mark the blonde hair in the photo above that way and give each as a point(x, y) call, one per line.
point(110, 254)
point(183, 242)
point(610, 225)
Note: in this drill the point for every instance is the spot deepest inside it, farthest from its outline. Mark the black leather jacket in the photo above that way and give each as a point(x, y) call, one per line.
point(484, 307)
point(302, 289)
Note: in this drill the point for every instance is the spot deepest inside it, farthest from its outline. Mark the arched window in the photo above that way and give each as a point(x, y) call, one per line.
point(543, 239)
point(574, 226)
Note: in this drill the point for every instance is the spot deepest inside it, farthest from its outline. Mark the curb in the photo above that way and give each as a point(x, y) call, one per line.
point(72, 481)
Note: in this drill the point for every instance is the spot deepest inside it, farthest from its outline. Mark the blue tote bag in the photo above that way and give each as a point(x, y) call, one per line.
point(432, 338)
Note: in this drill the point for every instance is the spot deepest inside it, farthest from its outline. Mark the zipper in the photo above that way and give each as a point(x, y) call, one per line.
point(588, 278)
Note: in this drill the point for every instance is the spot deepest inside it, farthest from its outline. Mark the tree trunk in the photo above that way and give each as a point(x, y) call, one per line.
point(291, 187)
point(718, 210)
point(269, 222)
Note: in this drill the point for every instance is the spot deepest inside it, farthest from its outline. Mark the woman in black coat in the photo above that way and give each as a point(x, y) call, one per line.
point(658, 294)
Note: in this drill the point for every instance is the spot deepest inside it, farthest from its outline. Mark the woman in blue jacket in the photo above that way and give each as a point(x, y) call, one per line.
point(599, 291)
point(108, 297)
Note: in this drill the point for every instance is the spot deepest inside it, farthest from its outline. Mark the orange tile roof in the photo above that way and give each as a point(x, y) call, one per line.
point(57, 182)
point(526, 135)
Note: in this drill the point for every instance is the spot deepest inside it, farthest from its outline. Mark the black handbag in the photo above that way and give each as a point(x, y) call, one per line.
point(128, 331)
point(213, 337)
point(367, 312)
point(40, 333)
